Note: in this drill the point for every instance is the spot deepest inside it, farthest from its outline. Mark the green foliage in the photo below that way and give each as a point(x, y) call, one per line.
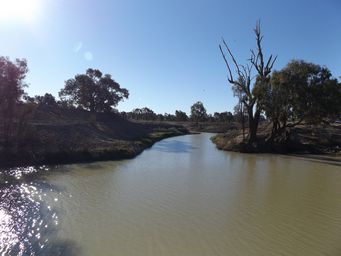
point(142, 114)
point(180, 115)
point(93, 91)
point(148, 114)
point(198, 112)
point(302, 92)
point(45, 100)
point(12, 75)
point(223, 117)
point(169, 117)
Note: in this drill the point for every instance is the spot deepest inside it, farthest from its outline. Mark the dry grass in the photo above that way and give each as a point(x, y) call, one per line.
point(64, 136)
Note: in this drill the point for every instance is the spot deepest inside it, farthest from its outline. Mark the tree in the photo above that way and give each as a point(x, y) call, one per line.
point(301, 92)
point(249, 94)
point(45, 100)
point(143, 114)
point(229, 116)
point(168, 117)
point(198, 112)
point(223, 117)
point(12, 75)
point(240, 109)
point(93, 91)
point(180, 115)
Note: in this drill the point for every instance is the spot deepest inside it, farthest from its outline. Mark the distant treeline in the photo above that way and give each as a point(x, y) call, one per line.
point(198, 114)
point(198, 111)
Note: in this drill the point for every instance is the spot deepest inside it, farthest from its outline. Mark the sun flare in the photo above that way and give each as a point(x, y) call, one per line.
point(25, 10)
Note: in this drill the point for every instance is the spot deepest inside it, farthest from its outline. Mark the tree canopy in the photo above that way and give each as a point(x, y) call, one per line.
point(93, 91)
point(180, 115)
point(198, 112)
point(46, 100)
point(12, 75)
point(223, 116)
point(143, 114)
point(301, 92)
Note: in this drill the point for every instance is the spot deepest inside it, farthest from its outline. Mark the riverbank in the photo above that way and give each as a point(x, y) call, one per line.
point(302, 140)
point(199, 127)
point(60, 136)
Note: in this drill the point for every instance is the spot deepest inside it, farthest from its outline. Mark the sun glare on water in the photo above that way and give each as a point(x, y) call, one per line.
point(15, 10)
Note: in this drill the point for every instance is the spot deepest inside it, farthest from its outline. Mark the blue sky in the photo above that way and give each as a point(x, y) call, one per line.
point(166, 52)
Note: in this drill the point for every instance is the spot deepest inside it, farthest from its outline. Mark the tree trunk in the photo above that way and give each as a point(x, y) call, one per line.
point(274, 131)
point(242, 118)
point(253, 124)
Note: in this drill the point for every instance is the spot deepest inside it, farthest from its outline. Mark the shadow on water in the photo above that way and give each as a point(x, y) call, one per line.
point(330, 160)
point(28, 224)
point(173, 146)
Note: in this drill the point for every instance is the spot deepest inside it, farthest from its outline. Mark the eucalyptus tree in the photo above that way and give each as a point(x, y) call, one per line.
point(302, 92)
point(198, 112)
point(180, 115)
point(93, 91)
point(247, 86)
point(12, 75)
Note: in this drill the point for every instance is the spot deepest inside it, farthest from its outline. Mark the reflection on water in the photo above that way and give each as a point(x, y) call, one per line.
point(181, 197)
point(28, 224)
point(174, 146)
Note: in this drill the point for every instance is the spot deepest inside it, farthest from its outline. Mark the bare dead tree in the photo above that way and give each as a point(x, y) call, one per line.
point(237, 92)
point(244, 79)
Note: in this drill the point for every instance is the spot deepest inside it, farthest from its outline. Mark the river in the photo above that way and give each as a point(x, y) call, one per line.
point(180, 197)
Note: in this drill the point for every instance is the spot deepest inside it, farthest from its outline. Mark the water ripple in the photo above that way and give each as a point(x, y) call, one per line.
point(28, 224)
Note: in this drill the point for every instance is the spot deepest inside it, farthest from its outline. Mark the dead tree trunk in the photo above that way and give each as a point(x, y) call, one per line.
point(242, 118)
point(244, 79)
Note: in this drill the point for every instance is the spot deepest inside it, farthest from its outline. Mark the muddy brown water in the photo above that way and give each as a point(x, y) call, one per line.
point(180, 197)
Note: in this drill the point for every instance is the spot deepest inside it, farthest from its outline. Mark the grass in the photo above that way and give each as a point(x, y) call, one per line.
point(302, 139)
point(68, 136)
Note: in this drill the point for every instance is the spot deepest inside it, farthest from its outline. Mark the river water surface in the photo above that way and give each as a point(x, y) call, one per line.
point(180, 197)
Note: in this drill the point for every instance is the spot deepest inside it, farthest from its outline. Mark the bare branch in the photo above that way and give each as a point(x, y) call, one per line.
point(268, 63)
point(245, 72)
point(249, 68)
point(232, 56)
point(227, 65)
point(258, 60)
point(259, 39)
point(254, 60)
point(271, 64)
point(249, 79)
